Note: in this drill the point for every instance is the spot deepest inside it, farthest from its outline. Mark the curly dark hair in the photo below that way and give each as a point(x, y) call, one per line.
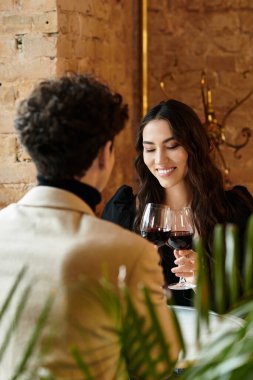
point(205, 180)
point(65, 121)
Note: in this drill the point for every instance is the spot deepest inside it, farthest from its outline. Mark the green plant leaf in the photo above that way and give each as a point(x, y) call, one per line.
point(202, 295)
point(81, 364)
point(230, 355)
point(178, 330)
point(31, 344)
point(12, 291)
point(219, 252)
point(231, 266)
point(248, 262)
point(147, 349)
point(15, 321)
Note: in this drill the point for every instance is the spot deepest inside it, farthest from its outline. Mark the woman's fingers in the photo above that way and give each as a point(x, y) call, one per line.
point(184, 252)
point(185, 255)
point(186, 264)
point(183, 270)
point(189, 275)
point(185, 261)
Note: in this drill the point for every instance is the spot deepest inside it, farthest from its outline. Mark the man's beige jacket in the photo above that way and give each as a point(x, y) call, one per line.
point(65, 247)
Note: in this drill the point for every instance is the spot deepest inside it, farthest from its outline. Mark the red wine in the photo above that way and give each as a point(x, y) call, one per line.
point(158, 236)
point(180, 239)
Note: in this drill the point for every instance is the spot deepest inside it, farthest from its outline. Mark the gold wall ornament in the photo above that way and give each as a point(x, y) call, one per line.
point(162, 83)
point(216, 130)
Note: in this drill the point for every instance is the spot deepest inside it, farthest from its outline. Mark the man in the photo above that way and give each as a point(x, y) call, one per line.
point(68, 127)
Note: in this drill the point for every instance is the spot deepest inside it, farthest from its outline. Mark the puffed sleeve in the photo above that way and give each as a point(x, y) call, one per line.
point(121, 208)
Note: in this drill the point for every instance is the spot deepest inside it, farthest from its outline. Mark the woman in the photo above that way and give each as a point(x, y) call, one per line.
point(175, 168)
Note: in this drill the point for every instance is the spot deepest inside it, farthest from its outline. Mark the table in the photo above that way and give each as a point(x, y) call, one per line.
point(217, 325)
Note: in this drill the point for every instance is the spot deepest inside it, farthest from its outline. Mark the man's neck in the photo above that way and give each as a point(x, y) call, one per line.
point(87, 193)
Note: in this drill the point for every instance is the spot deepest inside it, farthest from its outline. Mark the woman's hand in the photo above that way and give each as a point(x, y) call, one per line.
point(186, 261)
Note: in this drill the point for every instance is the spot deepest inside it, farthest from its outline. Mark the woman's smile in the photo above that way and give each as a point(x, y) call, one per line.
point(165, 172)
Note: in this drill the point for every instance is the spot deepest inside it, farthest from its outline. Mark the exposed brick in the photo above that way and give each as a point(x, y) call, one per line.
point(64, 65)
point(21, 154)
point(7, 94)
point(36, 42)
point(74, 25)
point(65, 46)
point(245, 4)
point(10, 193)
point(17, 173)
point(7, 46)
point(194, 5)
point(244, 64)
point(220, 5)
point(218, 36)
point(220, 63)
point(6, 121)
point(15, 23)
point(38, 68)
point(63, 23)
point(7, 148)
point(39, 5)
point(104, 13)
point(74, 5)
point(246, 22)
point(36, 45)
point(45, 38)
point(222, 22)
point(24, 87)
point(189, 62)
point(6, 5)
point(230, 43)
point(45, 22)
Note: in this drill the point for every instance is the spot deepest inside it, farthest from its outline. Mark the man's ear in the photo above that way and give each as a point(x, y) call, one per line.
point(104, 155)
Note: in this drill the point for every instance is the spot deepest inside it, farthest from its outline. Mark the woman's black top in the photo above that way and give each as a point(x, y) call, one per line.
point(121, 209)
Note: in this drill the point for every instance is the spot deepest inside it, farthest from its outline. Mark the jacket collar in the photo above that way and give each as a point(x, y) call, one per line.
point(51, 197)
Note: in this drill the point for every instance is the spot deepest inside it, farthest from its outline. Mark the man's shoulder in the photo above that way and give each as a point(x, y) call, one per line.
point(111, 228)
point(5, 211)
point(115, 235)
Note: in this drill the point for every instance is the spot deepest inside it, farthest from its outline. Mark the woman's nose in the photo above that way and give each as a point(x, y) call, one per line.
point(160, 156)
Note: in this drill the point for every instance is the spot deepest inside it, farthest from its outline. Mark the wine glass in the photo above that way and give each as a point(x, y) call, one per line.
point(180, 238)
point(155, 223)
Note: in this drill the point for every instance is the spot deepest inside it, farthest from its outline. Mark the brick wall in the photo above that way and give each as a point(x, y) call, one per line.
point(186, 37)
point(45, 38)
point(28, 31)
point(102, 38)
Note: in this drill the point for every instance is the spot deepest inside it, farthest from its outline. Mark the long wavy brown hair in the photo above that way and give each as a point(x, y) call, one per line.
point(204, 179)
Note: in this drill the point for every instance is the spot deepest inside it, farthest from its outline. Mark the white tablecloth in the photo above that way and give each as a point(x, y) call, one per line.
point(217, 325)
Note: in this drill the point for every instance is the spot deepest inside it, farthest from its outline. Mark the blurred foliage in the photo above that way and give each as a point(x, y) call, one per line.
point(144, 350)
point(229, 356)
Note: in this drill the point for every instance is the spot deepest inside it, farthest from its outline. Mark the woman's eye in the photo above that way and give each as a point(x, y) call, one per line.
point(174, 146)
point(149, 150)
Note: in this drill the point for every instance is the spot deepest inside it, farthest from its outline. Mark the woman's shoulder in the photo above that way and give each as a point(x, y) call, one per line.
point(121, 208)
point(241, 204)
point(239, 192)
point(123, 194)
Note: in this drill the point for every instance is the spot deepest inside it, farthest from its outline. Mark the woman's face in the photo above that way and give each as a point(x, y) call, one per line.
point(164, 157)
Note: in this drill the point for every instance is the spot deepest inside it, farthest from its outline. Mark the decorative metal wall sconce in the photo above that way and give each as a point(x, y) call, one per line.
point(216, 130)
